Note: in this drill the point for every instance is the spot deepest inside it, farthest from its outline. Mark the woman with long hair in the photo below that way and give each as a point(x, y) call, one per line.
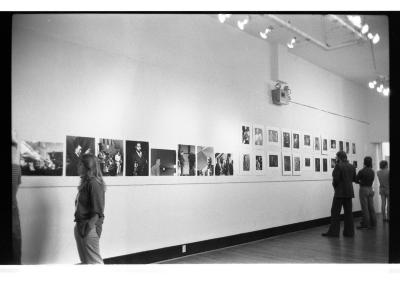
point(89, 210)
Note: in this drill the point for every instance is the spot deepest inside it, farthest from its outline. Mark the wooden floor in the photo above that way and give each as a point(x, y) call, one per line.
point(307, 246)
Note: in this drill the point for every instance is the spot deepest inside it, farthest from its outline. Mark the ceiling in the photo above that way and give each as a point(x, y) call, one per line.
point(353, 61)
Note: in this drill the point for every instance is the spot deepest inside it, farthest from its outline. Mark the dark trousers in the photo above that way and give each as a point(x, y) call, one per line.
point(334, 228)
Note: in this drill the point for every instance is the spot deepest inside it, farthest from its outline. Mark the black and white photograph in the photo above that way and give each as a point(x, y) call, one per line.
point(245, 164)
point(317, 164)
point(286, 164)
point(137, 158)
point(307, 141)
point(258, 135)
point(260, 163)
point(347, 147)
point(286, 139)
point(296, 140)
point(246, 135)
point(307, 162)
point(332, 146)
point(355, 164)
point(296, 164)
point(353, 148)
point(317, 144)
point(110, 154)
point(325, 165)
point(76, 148)
point(224, 164)
point(273, 136)
point(273, 160)
point(163, 162)
point(333, 162)
point(186, 162)
point(341, 145)
point(324, 149)
point(205, 161)
point(41, 158)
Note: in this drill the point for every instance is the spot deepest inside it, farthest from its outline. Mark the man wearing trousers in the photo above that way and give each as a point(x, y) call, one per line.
point(344, 174)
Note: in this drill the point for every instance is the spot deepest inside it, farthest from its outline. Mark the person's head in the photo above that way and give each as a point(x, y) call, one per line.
point(383, 164)
point(78, 150)
point(341, 156)
point(158, 161)
point(138, 146)
point(368, 162)
point(89, 167)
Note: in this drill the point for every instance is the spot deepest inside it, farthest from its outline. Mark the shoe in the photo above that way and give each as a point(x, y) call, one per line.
point(329, 235)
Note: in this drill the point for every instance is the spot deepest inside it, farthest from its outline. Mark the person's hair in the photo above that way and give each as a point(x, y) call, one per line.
point(341, 156)
point(383, 164)
point(91, 169)
point(368, 162)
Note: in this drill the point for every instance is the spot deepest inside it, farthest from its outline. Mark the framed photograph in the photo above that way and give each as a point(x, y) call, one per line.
point(273, 160)
point(258, 135)
point(324, 147)
point(332, 145)
point(306, 141)
point(355, 164)
point(246, 134)
point(223, 164)
point(163, 162)
point(333, 162)
point(137, 158)
point(76, 147)
point(260, 163)
point(324, 164)
point(317, 144)
point(273, 137)
point(110, 153)
point(245, 163)
point(317, 164)
point(286, 139)
point(296, 141)
point(186, 162)
point(347, 147)
point(205, 161)
point(296, 165)
point(353, 148)
point(341, 147)
point(286, 164)
point(307, 162)
point(41, 158)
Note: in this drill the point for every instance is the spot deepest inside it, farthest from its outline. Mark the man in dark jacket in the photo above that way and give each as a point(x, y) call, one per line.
point(344, 174)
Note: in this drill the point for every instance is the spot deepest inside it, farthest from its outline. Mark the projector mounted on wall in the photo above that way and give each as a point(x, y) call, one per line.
point(280, 92)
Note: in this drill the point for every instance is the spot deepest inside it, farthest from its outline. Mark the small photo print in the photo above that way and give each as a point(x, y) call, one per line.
point(317, 144)
point(286, 139)
point(223, 164)
point(317, 164)
point(296, 165)
point(296, 140)
point(163, 162)
point(286, 164)
point(258, 134)
point(341, 146)
point(259, 164)
point(306, 140)
point(273, 136)
point(273, 160)
point(110, 153)
point(205, 161)
point(324, 165)
point(137, 158)
point(333, 163)
point(245, 164)
point(76, 148)
point(307, 162)
point(347, 147)
point(246, 134)
point(41, 158)
point(353, 147)
point(333, 145)
point(186, 160)
point(324, 149)
point(355, 164)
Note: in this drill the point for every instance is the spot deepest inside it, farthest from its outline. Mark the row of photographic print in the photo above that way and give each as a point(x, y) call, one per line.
point(46, 159)
point(254, 135)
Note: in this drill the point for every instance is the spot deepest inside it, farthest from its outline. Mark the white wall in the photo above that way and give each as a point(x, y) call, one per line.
point(168, 79)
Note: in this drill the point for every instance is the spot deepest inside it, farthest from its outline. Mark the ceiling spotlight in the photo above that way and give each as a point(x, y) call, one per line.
point(242, 23)
point(386, 91)
point(264, 35)
point(371, 84)
point(376, 39)
point(222, 17)
point(355, 20)
point(364, 29)
point(379, 88)
point(370, 36)
point(291, 43)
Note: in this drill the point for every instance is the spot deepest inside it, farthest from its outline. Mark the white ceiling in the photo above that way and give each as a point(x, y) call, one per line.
point(354, 62)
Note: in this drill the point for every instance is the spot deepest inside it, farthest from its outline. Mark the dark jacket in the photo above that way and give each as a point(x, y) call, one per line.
point(344, 174)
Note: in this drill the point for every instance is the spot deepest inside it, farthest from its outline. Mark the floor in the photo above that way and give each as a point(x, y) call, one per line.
point(306, 246)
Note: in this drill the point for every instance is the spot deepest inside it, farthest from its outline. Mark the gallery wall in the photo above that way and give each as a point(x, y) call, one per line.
point(168, 80)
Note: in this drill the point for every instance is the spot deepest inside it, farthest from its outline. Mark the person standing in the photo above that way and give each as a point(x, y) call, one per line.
point(343, 176)
point(365, 178)
point(89, 210)
point(16, 181)
point(140, 158)
point(155, 169)
point(383, 177)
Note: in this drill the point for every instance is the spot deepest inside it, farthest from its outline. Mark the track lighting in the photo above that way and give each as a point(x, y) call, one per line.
point(355, 20)
point(381, 84)
point(264, 35)
point(242, 23)
point(222, 17)
point(291, 43)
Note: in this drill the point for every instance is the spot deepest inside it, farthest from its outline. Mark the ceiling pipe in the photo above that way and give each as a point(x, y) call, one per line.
point(308, 37)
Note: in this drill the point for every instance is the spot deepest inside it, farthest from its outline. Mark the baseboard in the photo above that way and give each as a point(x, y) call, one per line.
point(171, 252)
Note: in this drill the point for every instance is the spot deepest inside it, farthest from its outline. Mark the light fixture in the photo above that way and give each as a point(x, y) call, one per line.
point(242, 23)
point(381, 84)
point(291, 43)
point(222, 17)
point(355, 20)
point(379, 88)
point(264, 35)
point(370, 36)
point(386, 91)
point(371, 84)
point(376, 39)
point(364, 29)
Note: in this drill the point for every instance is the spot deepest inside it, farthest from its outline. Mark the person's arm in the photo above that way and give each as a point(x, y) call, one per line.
point(335, 176)
point(357, 178)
